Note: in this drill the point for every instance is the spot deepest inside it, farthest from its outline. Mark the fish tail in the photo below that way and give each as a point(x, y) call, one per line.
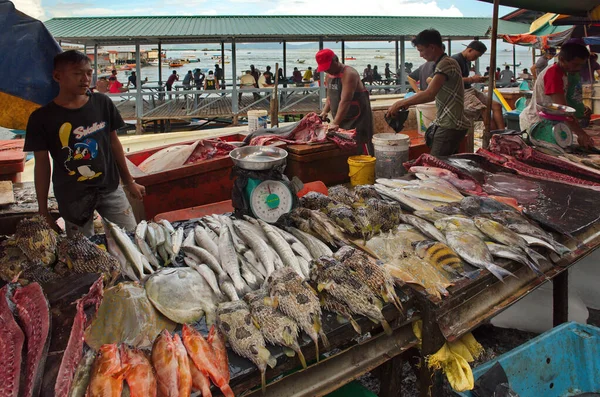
point(386, 327)
point(226, 389)
point(472, 274)
point(355, 325)
point(316, 348)
point(300, 356)
point(533, 263)
point(263, 381)
point(499, 272)
point(265, 355)
point(324, 339)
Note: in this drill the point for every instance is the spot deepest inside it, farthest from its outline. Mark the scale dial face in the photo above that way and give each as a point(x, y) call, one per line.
point(271, 199)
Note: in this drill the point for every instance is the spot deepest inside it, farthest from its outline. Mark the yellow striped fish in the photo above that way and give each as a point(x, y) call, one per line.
point(441, 256)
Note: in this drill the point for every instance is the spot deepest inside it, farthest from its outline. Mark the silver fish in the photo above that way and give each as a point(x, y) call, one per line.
point(141, 229)
point(189, 240)
point(457, 224)
point(296, 245)
point(227, 287)
point(257, 268)
point(168, 243)
point(253, 223)
point(82, 376)
point(159, 233)
point(432, 193)
point(536, 241)
point(431, 216)
point(177, 241)
point(151, 237)
point(395, 183)
point(205, 272)
point(167, 225)
point(203, 240)
point(182, 295)
point(512, 253)
point(213, 236)
point(473, 250)
point(247, 273)
point(129, 250)
point(304, 266)
point(424, 227)
point(146, 251)
point(499, 233)
point(229, 260)
point(164, 255)
point(282, 247)
point(315, 246)
point(530, 230)
point(201, 255)
point(412, 203)
point(258, 246)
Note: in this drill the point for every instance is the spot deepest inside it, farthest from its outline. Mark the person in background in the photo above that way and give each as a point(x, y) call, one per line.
point(507, 78)
point(542, 62)
point(199, 79)
point(592, 65)
point(560, 83)
point(497, 74)
point(376, 75)
point(487, 72)
point(281, 78)
point(368, 75)
point(308, 75)
point(89, 170)
point(297, 76)
point(171, 80)
point(347, 99)
point(219, 75)
point(132, 80)
point(211, 83)
point(475, 100)
point(255, 73)
point(525, 75)
point(269, 75)
point(387, 73)
point(450, 125)
point(113, 75)
point(102, 85)
point(187, 80)
point(419, 78)
point(247, 82)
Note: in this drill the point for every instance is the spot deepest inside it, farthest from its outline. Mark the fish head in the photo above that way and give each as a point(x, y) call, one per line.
point(108, 361)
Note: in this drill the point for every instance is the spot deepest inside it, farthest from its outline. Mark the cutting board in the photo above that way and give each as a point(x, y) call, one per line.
point(7, 195)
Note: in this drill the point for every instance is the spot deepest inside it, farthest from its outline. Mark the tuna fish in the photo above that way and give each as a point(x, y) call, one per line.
point(11, 345)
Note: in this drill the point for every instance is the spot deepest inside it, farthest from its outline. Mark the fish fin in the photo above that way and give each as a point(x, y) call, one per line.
point(211, 334)
point(499, 272)
point(397, 303)
point(263, 382)
point(355, 325)
point(265, 354)
point(289, 352)
point(533, 263)
point(317, 348)
point(301, 357)
point(378, 303)
point(256, 324)
point(324, 339)
point(386, 327)
point(288, 338)
point(226, 389)
point(471, 275)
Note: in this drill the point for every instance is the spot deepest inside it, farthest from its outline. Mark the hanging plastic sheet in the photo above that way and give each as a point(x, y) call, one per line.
point(28, 51)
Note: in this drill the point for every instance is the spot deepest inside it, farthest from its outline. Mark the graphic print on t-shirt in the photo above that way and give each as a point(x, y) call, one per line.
point(79, 158)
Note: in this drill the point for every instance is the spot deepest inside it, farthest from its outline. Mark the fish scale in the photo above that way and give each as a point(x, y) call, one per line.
point(441, 256)
point(83, 256)
point(36, 239)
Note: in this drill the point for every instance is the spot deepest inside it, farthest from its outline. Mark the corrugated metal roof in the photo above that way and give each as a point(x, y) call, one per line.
point(174, 29)
point(572, 7)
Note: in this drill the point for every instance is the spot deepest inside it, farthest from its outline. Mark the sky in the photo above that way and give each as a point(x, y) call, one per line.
point(46, 9)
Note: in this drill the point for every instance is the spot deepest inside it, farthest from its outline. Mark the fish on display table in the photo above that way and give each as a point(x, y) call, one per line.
point(107, 373)
point(424, 227)
point(139, 376)
point(166, 362)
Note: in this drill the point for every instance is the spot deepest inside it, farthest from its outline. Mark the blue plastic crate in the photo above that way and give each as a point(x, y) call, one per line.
point(564, 361)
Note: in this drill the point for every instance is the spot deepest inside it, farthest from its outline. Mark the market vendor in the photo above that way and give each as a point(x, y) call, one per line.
point(560, 84)
point(78, 129)
point(475, 100)
point(347, 99)
point(450, 125)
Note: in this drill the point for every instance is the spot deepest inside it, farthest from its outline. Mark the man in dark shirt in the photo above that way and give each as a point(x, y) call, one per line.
point(132, 80)
point(255, 73)
point(475, 100)
point(78, 129)
point(198, 78)
point(421, 75)
point(269, 76)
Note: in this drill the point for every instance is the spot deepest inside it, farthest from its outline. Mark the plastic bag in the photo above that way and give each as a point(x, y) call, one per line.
point(397, 123)
point(454, 366)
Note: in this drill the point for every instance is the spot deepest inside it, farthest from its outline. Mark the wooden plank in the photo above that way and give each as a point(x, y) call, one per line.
point(306, 149)
point(7, 196)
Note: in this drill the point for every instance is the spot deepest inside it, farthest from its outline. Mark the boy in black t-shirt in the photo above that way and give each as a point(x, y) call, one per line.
point(78, 129)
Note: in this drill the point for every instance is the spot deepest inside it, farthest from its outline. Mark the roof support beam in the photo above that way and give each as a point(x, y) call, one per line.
point(322, 92)
point(139, 99)
point(222, 66)
point(343, 51)
point(490, 99)
point(234, 87)
point(159, 65)
point(402, 62)
point(284, 60)
point(95, 79)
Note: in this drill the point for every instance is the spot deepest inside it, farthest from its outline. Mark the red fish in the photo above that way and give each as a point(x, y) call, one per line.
point(200, 382)
point(185, 376)
point(217, 342)
point(205, 359)
point(140, 376)
point(164, 360)
point(107, 373)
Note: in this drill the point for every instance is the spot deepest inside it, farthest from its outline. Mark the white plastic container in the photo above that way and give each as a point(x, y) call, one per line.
point(425, 113)
point(391, 150)
point(257, 119)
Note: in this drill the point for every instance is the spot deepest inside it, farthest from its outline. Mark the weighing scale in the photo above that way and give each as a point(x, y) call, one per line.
point(552, 128)
point(261, 189)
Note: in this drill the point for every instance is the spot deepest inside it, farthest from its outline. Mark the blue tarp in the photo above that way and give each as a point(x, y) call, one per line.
point(28, 51)
point(592, 40)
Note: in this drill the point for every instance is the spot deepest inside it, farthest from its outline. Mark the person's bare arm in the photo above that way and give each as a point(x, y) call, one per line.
point(42, 173)
point(349, 83)
point(420, 97)
point(413, 84)
point(534, 72)
point(136, 190)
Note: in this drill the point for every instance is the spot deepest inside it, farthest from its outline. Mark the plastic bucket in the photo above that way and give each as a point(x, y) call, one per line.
point(425, 113)
point(362, 170)
point(391, 151)
point(257, 119)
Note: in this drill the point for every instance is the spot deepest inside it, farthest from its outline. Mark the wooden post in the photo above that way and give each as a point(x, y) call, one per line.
point(322, 93)
point(95, 63)
point(515, 61)
point(275, 101)
point(159, 65)
point(533, 61)
point(234, 86)
point(139, 99)
point(284, 60)
point(343, 51)
point(397, 62)
point(449, 49)
point(492, 84)
point(222, 66)
point(402, 67)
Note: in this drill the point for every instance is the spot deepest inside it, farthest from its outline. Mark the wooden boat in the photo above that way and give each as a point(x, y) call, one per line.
point(175, 64)
point(379, 57)
point(300, 61)
point(350, 59)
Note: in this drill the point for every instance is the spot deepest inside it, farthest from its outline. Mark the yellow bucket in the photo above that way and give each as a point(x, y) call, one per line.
point(362, 170)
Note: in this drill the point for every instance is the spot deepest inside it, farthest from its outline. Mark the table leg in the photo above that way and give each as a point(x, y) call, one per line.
point(390, 376)
point(560, 298)
point(430, 382)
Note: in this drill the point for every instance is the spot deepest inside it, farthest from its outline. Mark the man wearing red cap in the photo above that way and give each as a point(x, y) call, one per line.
point(347, 99)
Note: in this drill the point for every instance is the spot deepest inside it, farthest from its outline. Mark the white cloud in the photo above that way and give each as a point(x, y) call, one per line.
point(33, 8)
point(376, 7)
